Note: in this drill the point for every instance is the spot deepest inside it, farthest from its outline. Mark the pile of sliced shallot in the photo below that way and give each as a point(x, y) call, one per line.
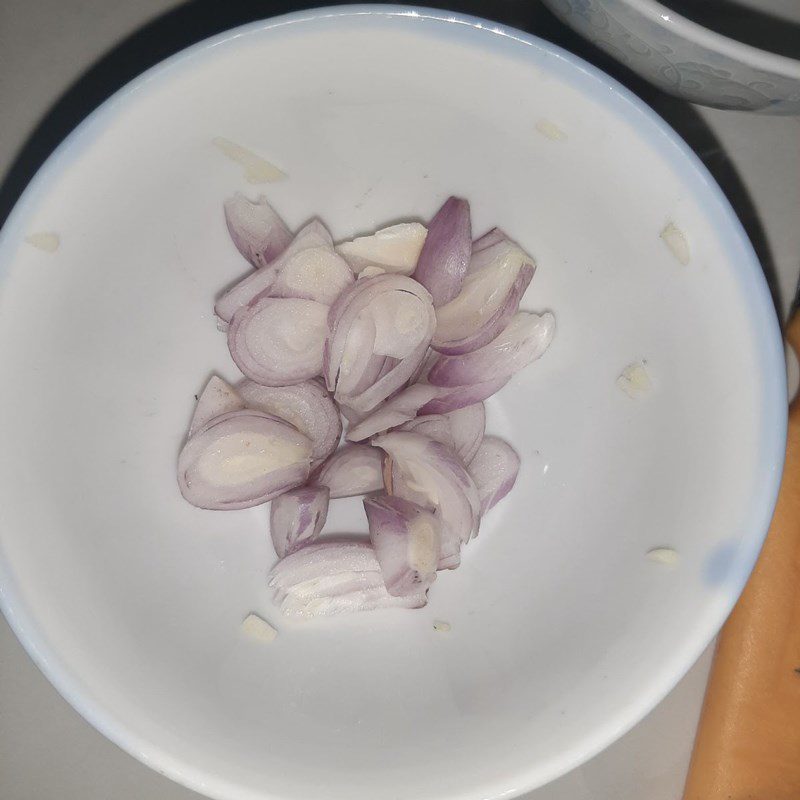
point(404, 333)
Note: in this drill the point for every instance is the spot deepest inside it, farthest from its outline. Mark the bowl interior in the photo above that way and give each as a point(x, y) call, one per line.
point(563, 632)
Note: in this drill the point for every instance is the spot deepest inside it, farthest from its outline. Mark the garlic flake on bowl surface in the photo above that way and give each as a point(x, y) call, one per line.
point(673, 237)
point(256, 169)
point(49, 242)
point(634, 380)
point(258, 628)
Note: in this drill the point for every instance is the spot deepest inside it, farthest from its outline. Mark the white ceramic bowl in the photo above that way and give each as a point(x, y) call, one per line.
point(686, 59)
point(563, 633)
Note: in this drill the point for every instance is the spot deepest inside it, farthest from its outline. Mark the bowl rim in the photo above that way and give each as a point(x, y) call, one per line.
point(767, 342)
point(747, 54)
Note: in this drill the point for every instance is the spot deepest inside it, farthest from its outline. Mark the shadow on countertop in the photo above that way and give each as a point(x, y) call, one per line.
point(198, 19)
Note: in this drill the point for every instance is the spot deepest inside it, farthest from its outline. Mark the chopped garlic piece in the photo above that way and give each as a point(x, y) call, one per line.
point(393, 249)
point(663, 555)
point(440, 626)
point(673, 238)
point(550, 130)
point(256, 169)
point(257, 628)
point(634, 380)
point(48, 242)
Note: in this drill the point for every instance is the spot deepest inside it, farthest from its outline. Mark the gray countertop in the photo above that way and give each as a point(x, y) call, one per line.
point(46, 749)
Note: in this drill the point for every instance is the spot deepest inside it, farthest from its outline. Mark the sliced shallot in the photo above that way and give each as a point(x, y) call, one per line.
point(306, 405)
point(242, 459)
point(334, 577)
point(434, 426)
point(363, 327)
point(245, 291)
point(419, 398)
point(259, 234)
point(401, 321)
point(346, 322)
point(323, 332)
point(297, 517)
point(444, 257)
point(394, 249)
point(467, 426)
point(452, 398)
point(494, 236)
point(490, 296)
point(386, 385)
point(431, 475)
point(407, 542)
point(494, 470)
point(333, 555)
point(315, 234)
point(420, 374)
point(216, 399)
point(352, 470)
point(315, 273)
point(360, 366)
point(278, 341)
point(399, 409)
point(524, 340)
point(371, 272)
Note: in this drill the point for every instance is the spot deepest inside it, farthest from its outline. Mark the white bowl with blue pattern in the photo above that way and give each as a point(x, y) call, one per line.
point(686, 59)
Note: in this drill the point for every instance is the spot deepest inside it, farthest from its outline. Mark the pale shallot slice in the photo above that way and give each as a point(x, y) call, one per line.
point(306, 405)
point(349, 313)
point(445, 255)
point(399, 409)
point(352, 417)
point(362, 367)
point(525, 339)
point(420, 375)
point(490, 296)
point(344, 594)
point(452, 398)
point(431, 475)
point(388, 383)
point(316, 273)
point(370, 272)
point(242, 459)
point(419, 398)
point(394, 249)
point(494, 236)
point(334, 577)
point(255, 284)
point(333, 555)
point(467, 426)
point(402, 326)
point(359, 367)
point(402, 321)
point(407, 542)
point(278, 341)
point(352, 470)
point(259, 234)
point(216, 399)
point(494, 470)
point(315, 234)
point(434, 426)
point(297, 517)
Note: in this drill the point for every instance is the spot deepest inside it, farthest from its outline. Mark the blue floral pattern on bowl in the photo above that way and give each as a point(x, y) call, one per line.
point(684, 59)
